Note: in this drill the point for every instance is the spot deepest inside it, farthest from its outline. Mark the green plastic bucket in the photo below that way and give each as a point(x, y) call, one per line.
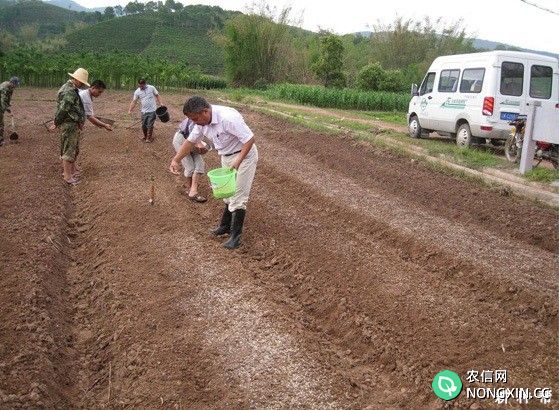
point(223, 182)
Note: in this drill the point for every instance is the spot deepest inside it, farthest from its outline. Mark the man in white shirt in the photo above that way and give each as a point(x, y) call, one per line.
point(95, 90)
point(149, 101)
point(234, 141)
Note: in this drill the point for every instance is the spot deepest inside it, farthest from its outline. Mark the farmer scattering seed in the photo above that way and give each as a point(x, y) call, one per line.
point(6, 91)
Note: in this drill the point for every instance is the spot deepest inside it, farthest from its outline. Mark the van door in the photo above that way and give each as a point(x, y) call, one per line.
point(542, 85)
point(446, 102)
point(511, 89)
point(425, 98)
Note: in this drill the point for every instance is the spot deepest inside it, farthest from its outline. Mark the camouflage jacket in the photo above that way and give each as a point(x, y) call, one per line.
point(70, 106)
point(6, 91)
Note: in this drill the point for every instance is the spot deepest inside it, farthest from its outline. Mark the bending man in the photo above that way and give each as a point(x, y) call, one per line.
point(95, 90)
point(234, 142)
point(6, 91)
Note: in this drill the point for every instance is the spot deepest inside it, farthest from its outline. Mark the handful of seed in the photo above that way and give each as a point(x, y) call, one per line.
point(152, 191)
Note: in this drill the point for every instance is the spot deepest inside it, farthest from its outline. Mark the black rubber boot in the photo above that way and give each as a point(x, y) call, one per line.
point(225, 224)
point(236, 229)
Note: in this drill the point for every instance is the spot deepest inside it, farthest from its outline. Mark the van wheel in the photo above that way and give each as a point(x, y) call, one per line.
point(464, 136)
point(414, 127)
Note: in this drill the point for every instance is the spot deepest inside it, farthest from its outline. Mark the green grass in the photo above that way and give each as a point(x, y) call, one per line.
point(299, 120)
point(393, 117)
point(332, 122)
point(542, 175)
point(253, 96)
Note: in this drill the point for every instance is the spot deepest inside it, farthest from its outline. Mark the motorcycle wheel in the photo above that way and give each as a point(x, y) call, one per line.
point(555, 156)
point(513, 149)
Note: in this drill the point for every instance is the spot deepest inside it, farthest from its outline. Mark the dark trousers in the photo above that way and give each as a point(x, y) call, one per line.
point(148, 119)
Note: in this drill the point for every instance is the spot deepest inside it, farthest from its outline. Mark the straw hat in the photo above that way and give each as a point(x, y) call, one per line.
point(81, 75)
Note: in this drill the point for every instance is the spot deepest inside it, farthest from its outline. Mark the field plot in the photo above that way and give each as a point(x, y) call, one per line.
point(362, 274)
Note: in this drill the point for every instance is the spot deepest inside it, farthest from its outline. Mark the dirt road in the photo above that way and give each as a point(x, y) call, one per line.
point(362, 275)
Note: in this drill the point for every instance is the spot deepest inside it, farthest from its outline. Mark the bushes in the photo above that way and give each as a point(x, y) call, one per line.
point(373, 77)
point(344, 99)
point(117, 70)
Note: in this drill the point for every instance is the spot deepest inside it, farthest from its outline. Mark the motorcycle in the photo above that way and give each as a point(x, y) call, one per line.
point(513, 145)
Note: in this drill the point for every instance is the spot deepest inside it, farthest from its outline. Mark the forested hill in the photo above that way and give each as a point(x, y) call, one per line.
point(178, 35)
point(44, 19)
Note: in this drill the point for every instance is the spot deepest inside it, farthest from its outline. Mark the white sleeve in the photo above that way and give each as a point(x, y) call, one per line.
point(238, 128)
point(87, 103)
point(155, 92)
point(136, 95)
point(88, 108)
point(196, 134)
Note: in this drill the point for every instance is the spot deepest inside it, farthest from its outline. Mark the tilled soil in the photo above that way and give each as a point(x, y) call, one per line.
point(361, 275)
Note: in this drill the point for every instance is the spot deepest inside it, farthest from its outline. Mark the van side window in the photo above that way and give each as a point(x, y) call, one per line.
point(427, 84)
point(472, 80)
point(540, 82)
point(448, 82)
point(512, 78)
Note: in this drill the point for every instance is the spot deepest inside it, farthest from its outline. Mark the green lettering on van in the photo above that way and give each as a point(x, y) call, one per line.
point(511, 103)
point(454, 103)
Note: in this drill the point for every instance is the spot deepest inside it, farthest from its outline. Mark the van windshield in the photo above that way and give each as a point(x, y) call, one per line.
point(427, 84)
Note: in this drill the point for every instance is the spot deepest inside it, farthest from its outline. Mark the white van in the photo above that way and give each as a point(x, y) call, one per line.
point(473, 97)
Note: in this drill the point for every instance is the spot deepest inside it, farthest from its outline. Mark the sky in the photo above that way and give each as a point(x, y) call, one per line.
point(511, 22)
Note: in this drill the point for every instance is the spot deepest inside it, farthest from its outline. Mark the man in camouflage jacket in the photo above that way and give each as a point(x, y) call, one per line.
point(69, 119)
point(6, 91)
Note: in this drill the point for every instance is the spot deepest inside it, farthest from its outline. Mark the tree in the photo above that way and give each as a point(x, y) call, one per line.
point(370, 77)
point(150, 6)
point(109, 13)
point(328, 67)
point(118, 10)
point(29, 33)
point(411, 45)
point(134, 7)
point(393, 80)
point(255, 46)
point(170, 4)
point(7, 41)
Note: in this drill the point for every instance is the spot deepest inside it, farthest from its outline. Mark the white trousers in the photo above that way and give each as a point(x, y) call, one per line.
point(192, 162)
point(245, 176)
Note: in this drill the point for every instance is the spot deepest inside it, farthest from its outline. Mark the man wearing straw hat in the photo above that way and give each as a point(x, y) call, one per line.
point(6, 91)
point(70, 118)
point(234, 142)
